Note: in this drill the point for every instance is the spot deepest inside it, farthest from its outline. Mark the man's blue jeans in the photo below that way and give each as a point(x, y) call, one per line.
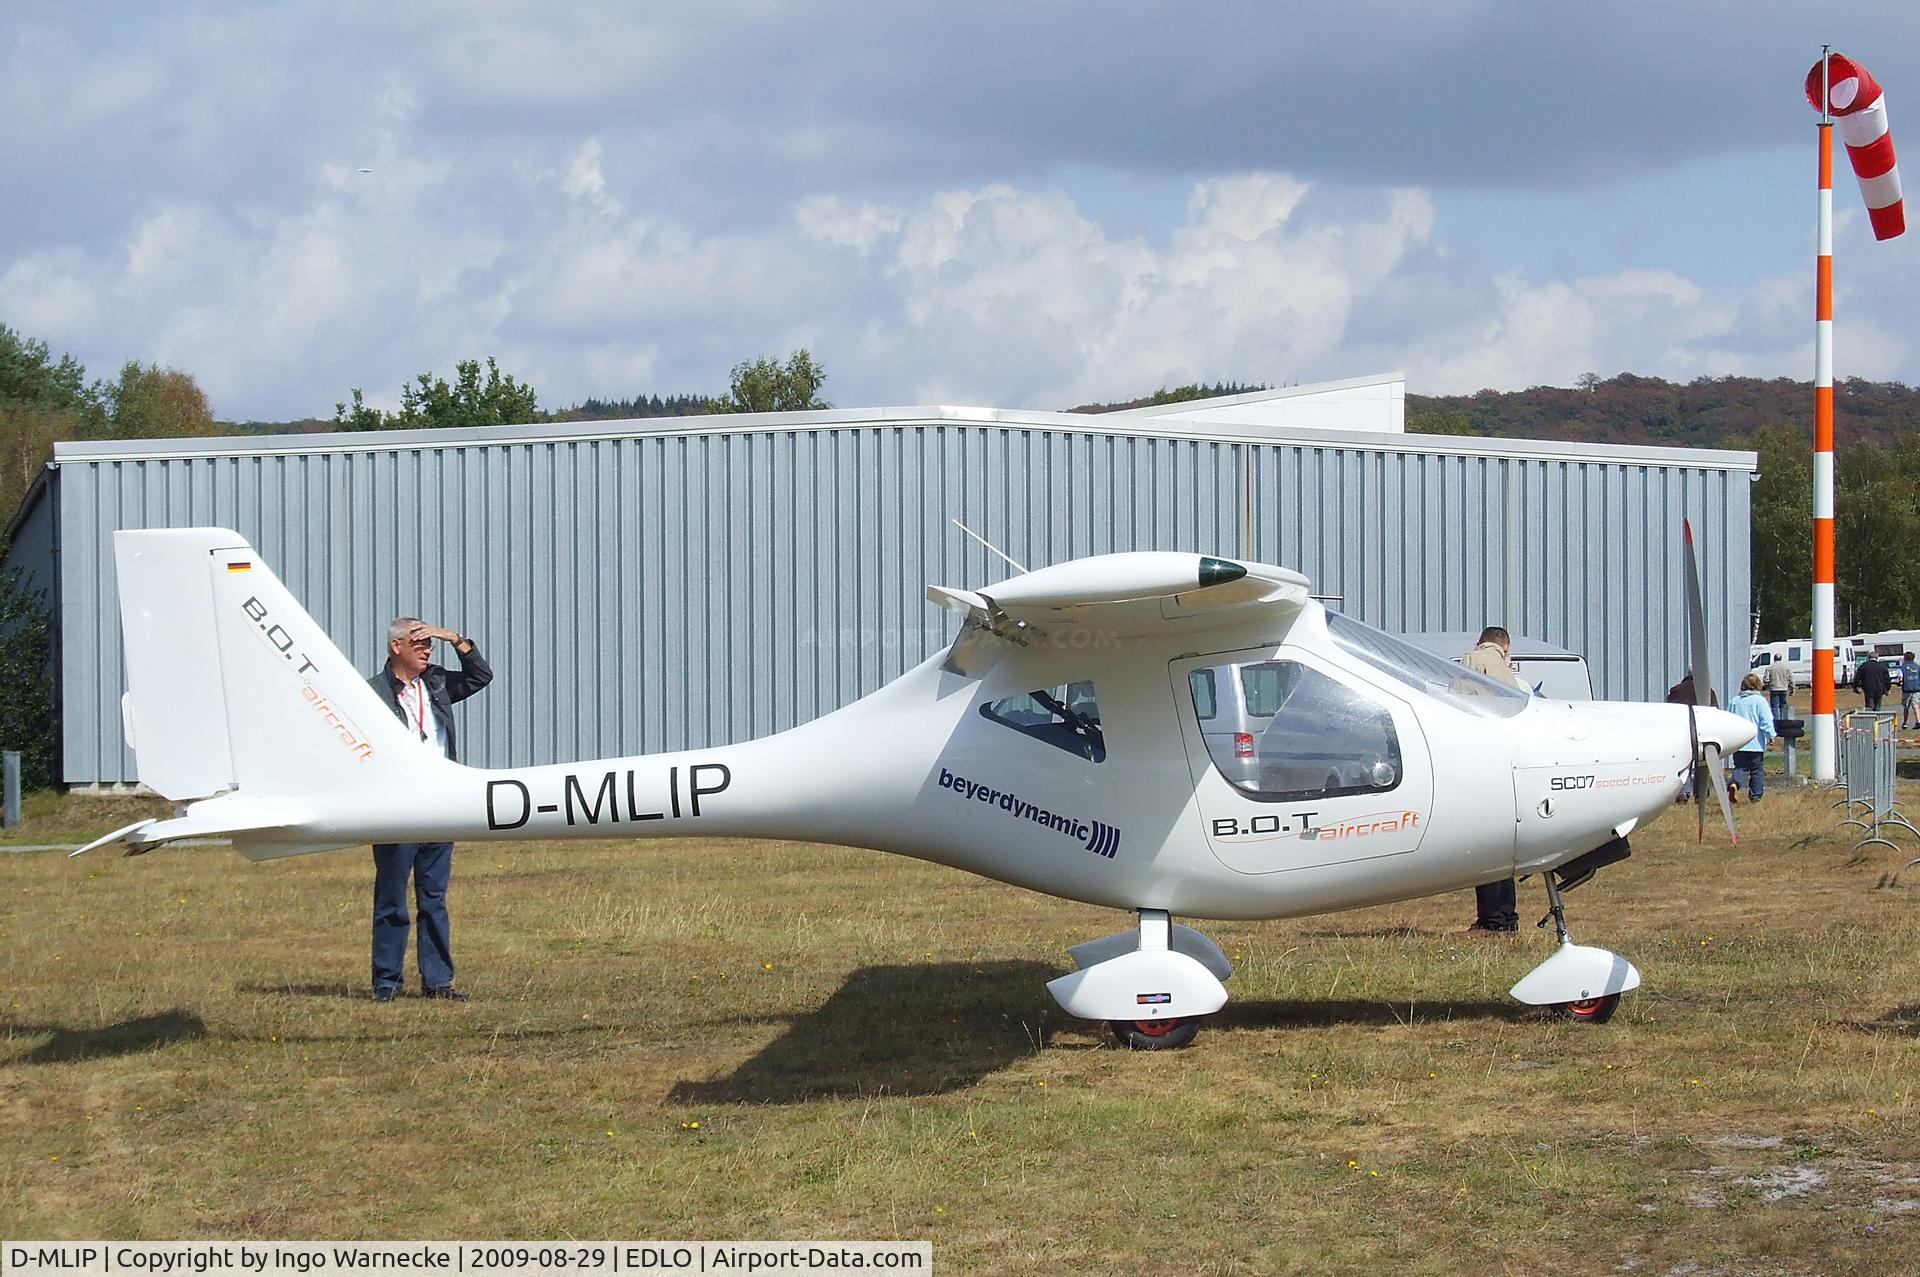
point(1750, 765)
point(1496, 904)
point(430, 863)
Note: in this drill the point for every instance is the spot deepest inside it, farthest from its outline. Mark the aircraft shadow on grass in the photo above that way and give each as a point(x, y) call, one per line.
point(919, 1029)
point(929, 1029)
point(123, 1037)
point(1904, 1017)
point(1328, 1013)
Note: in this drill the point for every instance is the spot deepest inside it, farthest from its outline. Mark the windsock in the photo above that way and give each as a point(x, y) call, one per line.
point(1854, 97)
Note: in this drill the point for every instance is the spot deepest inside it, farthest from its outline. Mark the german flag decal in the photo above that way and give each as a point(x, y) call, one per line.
point(242, 566)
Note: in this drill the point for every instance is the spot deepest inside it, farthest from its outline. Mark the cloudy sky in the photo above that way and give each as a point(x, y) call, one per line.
point(1022, 204)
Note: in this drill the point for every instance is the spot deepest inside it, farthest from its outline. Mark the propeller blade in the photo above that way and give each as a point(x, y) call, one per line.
point(1697, 623)
point(1693, 775)
point(1718, 776)
point(1707, 763)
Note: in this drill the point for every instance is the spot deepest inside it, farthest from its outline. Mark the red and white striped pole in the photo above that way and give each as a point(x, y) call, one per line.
point(1823, 726)
point(1839, 86)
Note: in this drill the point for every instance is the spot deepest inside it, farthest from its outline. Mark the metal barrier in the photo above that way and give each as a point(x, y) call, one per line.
point(1870, 748)
point(1848, 730)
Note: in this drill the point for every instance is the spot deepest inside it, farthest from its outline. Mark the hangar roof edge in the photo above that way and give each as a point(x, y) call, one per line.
point(109, 450)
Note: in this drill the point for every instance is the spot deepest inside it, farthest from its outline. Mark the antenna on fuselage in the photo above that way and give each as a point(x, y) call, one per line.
point(1018, 566)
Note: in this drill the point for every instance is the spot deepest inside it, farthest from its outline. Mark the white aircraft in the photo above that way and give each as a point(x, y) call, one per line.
point(1170, 734)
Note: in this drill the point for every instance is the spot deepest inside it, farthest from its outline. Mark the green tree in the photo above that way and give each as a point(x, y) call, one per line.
point(43, 401)
point(26, 678)
point(767, 385)
point(359, 416)
point(431, 402)
point(31, 377)
point(1439, 423)
point(1876, 517)
point(1782, 499)
point(151, 402)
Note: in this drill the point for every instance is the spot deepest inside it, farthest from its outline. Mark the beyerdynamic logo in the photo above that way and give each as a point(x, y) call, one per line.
point(1096, 836)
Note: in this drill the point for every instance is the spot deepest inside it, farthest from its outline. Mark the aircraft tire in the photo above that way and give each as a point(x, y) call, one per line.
point(1589, 1010)
point(1160, 1035)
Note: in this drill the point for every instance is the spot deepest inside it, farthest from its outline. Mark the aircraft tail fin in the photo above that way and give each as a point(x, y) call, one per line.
point(232, 689)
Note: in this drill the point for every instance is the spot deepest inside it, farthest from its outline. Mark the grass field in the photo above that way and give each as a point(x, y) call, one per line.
point(762, 1040)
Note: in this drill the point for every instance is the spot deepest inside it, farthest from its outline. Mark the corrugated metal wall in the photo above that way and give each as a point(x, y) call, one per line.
point(651, 592)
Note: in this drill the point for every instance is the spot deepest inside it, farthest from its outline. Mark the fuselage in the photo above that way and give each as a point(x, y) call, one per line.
point(1276, 769)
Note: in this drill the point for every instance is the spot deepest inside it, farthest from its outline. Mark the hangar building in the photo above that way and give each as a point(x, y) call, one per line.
point(683, 582)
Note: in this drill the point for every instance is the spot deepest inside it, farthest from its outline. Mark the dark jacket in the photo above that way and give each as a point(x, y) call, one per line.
point(1872, 679)
point(445, 688)
point(1681, 693)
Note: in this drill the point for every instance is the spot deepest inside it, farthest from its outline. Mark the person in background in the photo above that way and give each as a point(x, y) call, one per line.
point(1681, 693)
point(1750, 764)
point(1779, 681)
point(422, 696)
point(1495, 903)
point(1909, 691)
point(1872, 681)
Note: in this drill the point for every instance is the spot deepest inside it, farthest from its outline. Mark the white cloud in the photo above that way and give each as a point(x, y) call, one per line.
point(586, 183)
point(999, 294)
point(42, 294)
point(832, 220)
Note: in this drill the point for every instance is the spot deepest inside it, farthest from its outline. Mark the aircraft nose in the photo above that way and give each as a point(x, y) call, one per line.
point(1725, 730)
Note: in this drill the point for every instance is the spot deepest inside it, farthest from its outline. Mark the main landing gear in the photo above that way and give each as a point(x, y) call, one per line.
point(1152, 986)
point(1579, 982)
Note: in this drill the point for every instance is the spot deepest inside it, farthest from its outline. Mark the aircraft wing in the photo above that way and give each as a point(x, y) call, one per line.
point(1117, 594)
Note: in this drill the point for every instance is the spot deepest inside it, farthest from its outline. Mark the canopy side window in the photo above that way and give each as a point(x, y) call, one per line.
point(1279, 731)
point(1066, 716)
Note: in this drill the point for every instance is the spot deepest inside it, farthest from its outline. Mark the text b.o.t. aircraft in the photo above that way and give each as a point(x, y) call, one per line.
point(1171, 734)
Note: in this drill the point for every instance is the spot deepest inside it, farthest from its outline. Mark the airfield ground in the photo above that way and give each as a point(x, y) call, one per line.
point(760, 1040)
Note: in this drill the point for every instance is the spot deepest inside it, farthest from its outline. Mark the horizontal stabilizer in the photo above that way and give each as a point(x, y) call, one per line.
point(119, 835)
point(250, 824)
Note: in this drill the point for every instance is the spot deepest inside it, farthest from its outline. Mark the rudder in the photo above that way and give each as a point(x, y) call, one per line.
point(231, 684)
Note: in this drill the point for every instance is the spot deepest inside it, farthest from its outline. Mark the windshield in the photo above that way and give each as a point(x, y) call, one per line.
point(1441, 679)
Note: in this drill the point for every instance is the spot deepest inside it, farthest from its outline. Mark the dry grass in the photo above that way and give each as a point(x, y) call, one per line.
point(867, 1050)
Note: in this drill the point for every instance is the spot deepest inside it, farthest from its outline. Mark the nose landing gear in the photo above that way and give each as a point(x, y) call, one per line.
point(1155, 1035)
point(1579, 982)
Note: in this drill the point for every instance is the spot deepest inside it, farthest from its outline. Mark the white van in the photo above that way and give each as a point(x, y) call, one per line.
point(1553, 673)
point(1798, 654)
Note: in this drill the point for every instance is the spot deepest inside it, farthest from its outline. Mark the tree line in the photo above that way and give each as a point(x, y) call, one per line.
point(1876, 531)
point(1707, 412)
point(1876, 473)
point(755, 385)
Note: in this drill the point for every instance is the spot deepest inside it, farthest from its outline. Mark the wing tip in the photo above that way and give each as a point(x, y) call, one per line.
point(1219, 571)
